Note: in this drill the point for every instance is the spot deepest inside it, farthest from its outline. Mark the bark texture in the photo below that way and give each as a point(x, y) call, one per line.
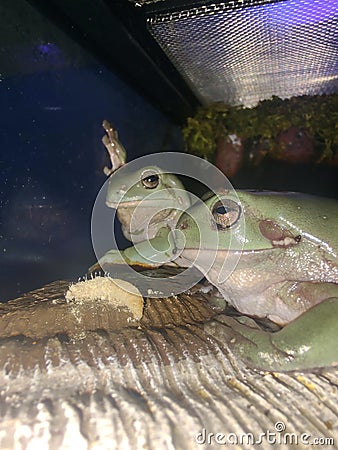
point(152, 385)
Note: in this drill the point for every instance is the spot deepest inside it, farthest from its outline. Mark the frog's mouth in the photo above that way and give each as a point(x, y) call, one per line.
point(128, 204)
point(135, 203)
point(205, 255)
point(223, 261)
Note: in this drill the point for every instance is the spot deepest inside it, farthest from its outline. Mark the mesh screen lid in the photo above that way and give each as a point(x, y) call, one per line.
point(242, 54)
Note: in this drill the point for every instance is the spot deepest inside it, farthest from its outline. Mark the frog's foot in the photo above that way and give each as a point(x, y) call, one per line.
point(115, 149)
point(112, 257)
point(144, 255)
point(311, 339)
point(309, 342)
point(94, 269)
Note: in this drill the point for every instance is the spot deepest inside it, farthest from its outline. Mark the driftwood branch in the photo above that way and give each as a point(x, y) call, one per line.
point(167, 383)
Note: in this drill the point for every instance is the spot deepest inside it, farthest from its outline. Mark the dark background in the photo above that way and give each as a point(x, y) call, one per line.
point(53, 99)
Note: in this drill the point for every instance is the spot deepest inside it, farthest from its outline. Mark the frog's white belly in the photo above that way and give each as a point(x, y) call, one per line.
point(277, 283)
point(142, 223)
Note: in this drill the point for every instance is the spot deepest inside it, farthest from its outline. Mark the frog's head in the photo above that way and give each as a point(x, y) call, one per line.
point(209, 225)
point(235, 221)
point(150, 184)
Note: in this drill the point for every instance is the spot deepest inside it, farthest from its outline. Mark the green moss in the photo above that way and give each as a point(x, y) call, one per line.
point(203, 130)
point(317, 114)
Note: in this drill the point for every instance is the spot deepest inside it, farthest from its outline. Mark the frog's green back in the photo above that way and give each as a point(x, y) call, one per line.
point(313, 218)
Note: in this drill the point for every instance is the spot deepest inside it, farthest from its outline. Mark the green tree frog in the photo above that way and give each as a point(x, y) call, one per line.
point(288, 254)
point(146, 199)
point(285, 268)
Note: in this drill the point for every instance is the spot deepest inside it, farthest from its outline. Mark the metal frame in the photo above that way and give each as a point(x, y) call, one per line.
point(115, 32)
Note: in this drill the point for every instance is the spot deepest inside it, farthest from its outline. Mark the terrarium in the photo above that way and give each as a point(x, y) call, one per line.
point(169, 224)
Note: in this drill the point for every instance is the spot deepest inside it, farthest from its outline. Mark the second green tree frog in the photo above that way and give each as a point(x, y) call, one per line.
point(146, 199)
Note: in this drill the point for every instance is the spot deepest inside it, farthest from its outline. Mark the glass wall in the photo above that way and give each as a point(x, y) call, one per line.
point(53, 99)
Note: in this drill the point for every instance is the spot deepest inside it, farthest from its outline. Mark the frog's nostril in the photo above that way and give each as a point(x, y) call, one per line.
point(184, 225)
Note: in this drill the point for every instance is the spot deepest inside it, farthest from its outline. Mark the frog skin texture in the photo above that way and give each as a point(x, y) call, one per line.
point(146, 199)
point(286, 271)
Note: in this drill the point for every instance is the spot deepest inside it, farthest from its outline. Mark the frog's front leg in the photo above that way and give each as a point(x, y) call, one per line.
point(117, 152)
point(309, 342)
point(150, 254)
point(130, 256)
point(311, 339)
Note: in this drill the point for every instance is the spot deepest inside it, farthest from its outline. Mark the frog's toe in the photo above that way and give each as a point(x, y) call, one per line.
point(112, 257)
point(95, 268)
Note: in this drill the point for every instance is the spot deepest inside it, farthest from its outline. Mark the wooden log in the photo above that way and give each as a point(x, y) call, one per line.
point(169, 382)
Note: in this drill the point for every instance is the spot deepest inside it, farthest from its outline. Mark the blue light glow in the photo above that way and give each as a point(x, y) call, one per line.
point(48, 49)
point(301, 12)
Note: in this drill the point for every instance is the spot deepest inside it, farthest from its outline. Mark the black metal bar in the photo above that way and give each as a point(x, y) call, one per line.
point(179, 5)
point(115, 33)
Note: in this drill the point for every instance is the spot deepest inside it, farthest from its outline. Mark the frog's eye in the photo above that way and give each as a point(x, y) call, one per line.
point(150, 180)
point(225, 213)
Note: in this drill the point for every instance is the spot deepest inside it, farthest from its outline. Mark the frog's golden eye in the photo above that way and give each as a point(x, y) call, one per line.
point(225, 213)
point(150, 180)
